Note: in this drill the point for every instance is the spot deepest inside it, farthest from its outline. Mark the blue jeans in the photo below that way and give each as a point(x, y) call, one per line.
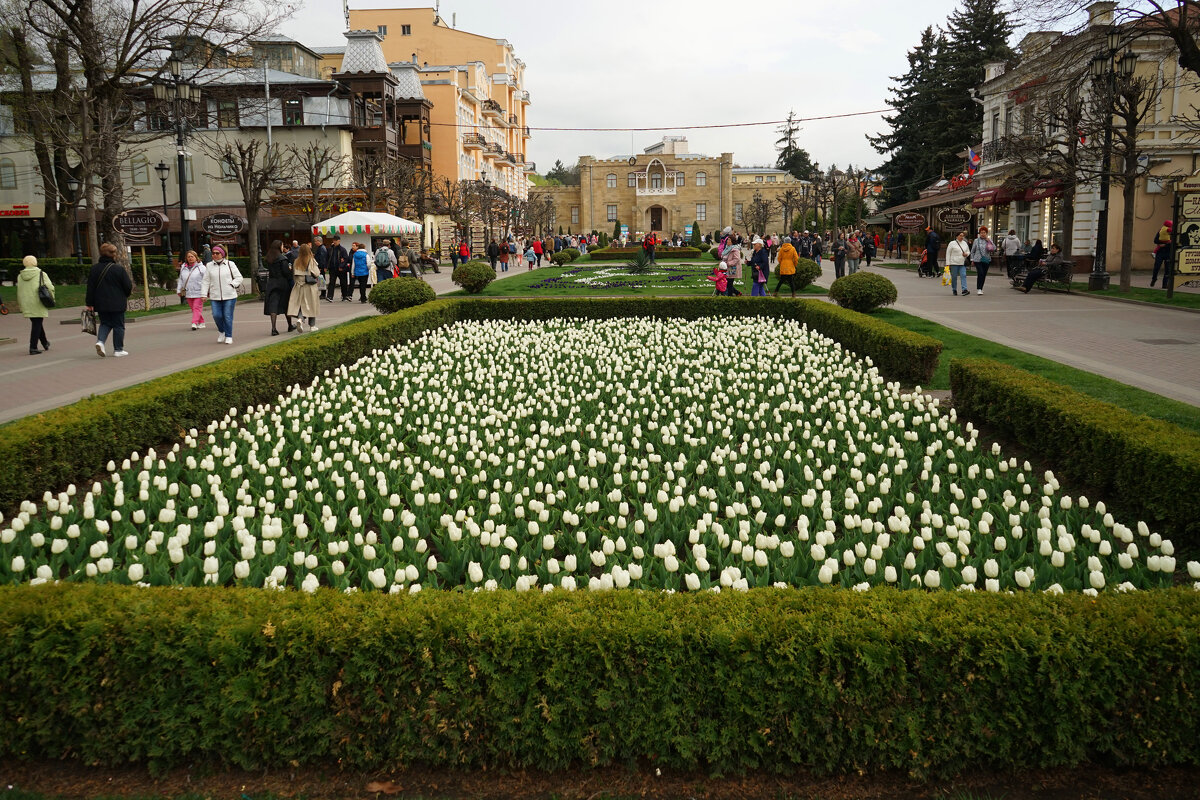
point(758, 289)
point(111, 321)
point(222, 312)
point(958, 276)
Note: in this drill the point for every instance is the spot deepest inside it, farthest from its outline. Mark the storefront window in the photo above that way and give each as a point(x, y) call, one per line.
point(1056, 223)
point(1020, 219)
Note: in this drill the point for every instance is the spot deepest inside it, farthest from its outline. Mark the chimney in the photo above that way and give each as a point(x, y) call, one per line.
point(364, 52)
point(1101, 13)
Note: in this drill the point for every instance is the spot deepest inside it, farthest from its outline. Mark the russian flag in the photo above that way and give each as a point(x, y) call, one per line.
point(973, 161)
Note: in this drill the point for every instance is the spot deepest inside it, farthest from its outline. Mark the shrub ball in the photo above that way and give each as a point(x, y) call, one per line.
point(474, 276)
point(863, 291)
point(394, 294)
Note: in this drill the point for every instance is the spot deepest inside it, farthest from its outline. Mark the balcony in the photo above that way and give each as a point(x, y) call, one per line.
point(655, 191)
point(492, 150)
point(523, 97)
point(530, 166)
point(527, 133)
point(1003, 148)
point(511, 159)
point(473, 141)
point(512, 119)
point(492, 109)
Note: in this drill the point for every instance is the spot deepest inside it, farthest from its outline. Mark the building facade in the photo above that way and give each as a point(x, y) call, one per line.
point(479, 123)
point(665, 189)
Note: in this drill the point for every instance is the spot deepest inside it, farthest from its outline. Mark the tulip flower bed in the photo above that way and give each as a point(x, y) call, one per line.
point(570, 454)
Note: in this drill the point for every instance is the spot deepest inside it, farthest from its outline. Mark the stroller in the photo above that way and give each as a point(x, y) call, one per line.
point(925, 269)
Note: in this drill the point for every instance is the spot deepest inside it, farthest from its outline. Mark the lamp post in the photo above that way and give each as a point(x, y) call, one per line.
point(163, 171)
point(1106, 69)
point(178, 92)
point(73, 187)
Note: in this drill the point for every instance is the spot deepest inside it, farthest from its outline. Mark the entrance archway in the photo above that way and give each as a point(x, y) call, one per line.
point(656, 219)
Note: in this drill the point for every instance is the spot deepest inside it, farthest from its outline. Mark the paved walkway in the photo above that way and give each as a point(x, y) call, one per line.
point(1157, 349)
point(158, 345)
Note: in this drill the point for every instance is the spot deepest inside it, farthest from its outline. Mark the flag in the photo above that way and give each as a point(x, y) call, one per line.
point(973, 161)
point(1082, 136)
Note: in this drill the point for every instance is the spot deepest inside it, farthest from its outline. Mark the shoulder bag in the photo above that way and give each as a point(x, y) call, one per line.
point(44, 293)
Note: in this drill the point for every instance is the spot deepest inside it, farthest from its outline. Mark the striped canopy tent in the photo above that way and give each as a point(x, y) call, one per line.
point(371, 223)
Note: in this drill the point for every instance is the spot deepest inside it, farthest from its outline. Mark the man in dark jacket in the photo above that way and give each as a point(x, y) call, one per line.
point(493, 252)
point(339, 269)
point(321, 255)
point(932, 244)
point(108, 289)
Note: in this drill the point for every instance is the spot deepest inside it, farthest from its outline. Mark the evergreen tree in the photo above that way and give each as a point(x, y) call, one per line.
point(567, 176)
point(936, 117)
point(792, 158)
point(616, 230)
point(695, 242)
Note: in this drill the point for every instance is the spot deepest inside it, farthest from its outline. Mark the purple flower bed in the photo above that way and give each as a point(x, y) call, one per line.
point(589, 277)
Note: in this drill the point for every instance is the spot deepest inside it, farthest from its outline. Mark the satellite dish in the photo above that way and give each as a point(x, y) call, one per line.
point(633, 161)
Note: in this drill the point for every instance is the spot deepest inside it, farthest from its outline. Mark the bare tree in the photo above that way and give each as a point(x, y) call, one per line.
point(540, 212)
point(368, 174)
point(408, 184)
point(758, 215)
point(789, 200)
point(257, 168)
point(317, 167)
point(449, 196)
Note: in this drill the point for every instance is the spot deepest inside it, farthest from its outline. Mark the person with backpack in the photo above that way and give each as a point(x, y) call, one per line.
point(506, 252)
point(537, 249)
point(383, 262)
point(1163, 251)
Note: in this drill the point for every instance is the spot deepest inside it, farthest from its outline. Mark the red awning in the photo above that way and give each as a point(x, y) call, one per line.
point(985, 198)
point(1043, 189)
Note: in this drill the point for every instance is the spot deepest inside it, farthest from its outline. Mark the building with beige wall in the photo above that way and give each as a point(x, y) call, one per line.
point(479, 123)
point(1017, 101)
point(664, 189)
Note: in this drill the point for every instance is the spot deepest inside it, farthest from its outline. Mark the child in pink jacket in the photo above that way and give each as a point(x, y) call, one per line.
point(720, 279)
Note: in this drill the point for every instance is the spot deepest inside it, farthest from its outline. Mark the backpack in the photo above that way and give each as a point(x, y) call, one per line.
point(383, 257)
point(401, 262)
point(512, 248)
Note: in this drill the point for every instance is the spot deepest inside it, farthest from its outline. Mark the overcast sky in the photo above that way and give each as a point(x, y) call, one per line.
point(595, 64)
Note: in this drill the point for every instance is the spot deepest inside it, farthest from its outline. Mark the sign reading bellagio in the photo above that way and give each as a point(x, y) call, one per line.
point(138, 223)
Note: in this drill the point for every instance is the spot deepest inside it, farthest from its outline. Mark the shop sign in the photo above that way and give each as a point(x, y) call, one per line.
point(15, 210)
point(914, 220)
point(1189, 206)
point(1189, 261)
point(1189, 184)
point(954, 219)
point(138, 223)
point(961, 181)
point(222, 224)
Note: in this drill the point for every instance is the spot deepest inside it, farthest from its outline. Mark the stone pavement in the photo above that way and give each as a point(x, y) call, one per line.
point(1156, 349)
point(158, 345)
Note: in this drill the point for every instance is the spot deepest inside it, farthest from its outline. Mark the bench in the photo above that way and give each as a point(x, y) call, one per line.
point(1056, 278)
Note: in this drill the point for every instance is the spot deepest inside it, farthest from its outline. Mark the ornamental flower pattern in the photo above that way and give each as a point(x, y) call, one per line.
point(567, 455)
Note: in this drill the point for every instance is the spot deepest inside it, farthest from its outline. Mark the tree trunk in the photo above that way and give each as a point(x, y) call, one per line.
point(60, 239)
point(1068, 215)
point(1128, 194)
point(252, 237)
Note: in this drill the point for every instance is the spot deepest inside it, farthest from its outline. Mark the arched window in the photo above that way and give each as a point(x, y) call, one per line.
point(702, 179)
point(8, 174)
point(611, 180)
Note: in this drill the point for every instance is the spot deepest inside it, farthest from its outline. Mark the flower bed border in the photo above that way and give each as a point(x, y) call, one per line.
point(71, 444)
point(823, 680)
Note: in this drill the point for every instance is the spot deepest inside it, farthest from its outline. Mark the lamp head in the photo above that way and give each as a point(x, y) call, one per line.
point(1128, 64)
point(1099, 66)
point(1114, 40)
point(175, 66)
point(162, 169)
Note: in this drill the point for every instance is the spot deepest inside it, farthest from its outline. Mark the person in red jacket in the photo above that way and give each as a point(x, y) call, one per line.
point(537, 250)
point(464, 252)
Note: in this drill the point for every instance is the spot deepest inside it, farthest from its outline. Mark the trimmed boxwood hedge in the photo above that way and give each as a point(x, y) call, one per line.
point(827, 680)
point(1151, 466)
point(69, 444)
point(162, 271)
point(623, 253)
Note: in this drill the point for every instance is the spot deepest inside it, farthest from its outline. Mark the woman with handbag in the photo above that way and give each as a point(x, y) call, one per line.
point(278, 287)
point(191, 279)
point(222, 285)
point(108, 290)
point(981, 256)
point(958, 252)
point(306, 292)
point(33, 289)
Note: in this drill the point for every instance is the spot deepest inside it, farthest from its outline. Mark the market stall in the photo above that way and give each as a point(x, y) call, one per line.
point(370, 223)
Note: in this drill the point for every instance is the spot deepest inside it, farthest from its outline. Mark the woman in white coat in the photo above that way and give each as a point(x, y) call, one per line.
point(222, 284)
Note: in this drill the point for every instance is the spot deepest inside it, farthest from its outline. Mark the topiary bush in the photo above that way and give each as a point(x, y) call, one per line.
point(863, 291)
point(474, 276)
point(572, 252)
point(394, 294)
point(807, 271)
point(560, 258)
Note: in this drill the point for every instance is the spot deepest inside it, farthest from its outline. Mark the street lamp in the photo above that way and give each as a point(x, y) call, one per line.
point(177, 91)
point(73, 188)
point(1106, 68)
point(163, 171)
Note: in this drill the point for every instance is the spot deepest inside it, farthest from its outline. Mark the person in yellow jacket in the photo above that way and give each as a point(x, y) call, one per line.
point(30, 279)
point(788, 259)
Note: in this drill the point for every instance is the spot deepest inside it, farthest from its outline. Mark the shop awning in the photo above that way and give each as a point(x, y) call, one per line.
point(955, 197)
point(997, 195)
point(985, 198)
point(368, 222)
point(1043, 189)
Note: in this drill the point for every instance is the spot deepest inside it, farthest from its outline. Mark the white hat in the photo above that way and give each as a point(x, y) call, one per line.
point(728, 230)
point(757, 241)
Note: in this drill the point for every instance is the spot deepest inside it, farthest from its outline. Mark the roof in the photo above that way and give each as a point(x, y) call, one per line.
point(224, 76)
point(740, 170)
point(932, 200)
point(329, 51)
point(364, 53)
point(408, 76)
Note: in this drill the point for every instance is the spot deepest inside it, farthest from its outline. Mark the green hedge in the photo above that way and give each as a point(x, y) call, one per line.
point(830, 681)
point(48, 451)
point(1151, 466)
point(162, 271)
point(624, 253)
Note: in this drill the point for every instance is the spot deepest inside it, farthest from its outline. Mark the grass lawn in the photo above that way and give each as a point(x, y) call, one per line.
point(65, 296)
point(1182, 299)
point(612, 278)
point(961, 345)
